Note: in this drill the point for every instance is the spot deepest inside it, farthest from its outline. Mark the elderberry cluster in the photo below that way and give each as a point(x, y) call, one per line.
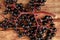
point(32, 5)
point(10, 1)
point(36, 4)
point(11, 6)
point(25, 23)
point(29, 25)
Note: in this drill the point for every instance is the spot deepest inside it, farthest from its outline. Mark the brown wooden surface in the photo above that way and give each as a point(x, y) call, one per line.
point(52, 6)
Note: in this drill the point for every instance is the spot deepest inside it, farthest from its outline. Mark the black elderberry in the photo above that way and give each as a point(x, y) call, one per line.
point(40, 32)
point(32, 19)
point(24, 9)
point(31, 36)
point(26, 27)
point(25, 33)
point(53, 29)
point(4, 22)
point(32, 31)
point(31, 5)
point(52, 24)
point(19, 33)
point(23, 17)
point(52, 34)
point(47, 17)
point(8, 8)
point(14, 27)
point(44, 22)
point(48, 38)
point(5, 27)
point(19, 19)
point(39, 38)
point(42, 1)
point(19, 6)
point(16, 24)
point(33, 28)
point(48, 34)
point(28, 21)
point(22, 24)
point(27, 14)
point(30, 25)
point(37, 5)
point(15, 12)
point(38, 35)
point(44, 29)
point(10, 25)
point(10, 1)
point(17, 30)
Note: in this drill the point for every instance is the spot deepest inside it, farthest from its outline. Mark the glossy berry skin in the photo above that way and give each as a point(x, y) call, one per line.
point(19, 6)
point(31, 5)
point(36, 4)
point(10, 1)
point(15, 12)
point(40, 1)
point(8, 8)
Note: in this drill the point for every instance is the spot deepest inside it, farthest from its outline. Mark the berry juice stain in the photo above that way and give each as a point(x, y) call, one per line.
point(24, 21)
